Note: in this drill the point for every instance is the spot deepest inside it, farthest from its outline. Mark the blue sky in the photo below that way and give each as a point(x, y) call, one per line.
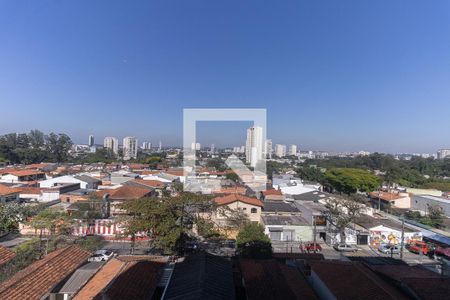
point(333, 75)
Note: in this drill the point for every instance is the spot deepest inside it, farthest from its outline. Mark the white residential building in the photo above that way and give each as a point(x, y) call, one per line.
point(268, 149)
point(443, 153)
point(112, 144)
point(196, 146)
point(254, 145)
point(130, 147)
point(280, 150)
point(293, 150)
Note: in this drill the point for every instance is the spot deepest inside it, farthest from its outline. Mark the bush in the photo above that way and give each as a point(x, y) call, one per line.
point(252, 242)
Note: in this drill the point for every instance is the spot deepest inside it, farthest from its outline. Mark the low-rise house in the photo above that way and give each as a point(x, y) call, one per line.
point(124, 193)
point(271, 195)
point(385, 200)
point(250, 206)
point(387, 231)
point(315, 215)
point(8, 194)
point(287, 228)
point(85, 182)
point(37, 280)
point(423, 204)
point(23, 176)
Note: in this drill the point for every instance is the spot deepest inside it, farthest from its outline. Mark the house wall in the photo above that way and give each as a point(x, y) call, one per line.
point(62, 180)
point(423, 203)
point(301, 233)
point(254, 217)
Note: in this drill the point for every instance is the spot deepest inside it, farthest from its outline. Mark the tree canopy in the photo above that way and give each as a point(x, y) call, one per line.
point(253, 242)
point(350, 180)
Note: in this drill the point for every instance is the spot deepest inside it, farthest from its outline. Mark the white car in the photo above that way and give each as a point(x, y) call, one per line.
point(101, 255)
point(345, 248)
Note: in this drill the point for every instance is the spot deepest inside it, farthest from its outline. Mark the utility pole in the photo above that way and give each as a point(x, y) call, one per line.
point(314, 233)
point(403, 237)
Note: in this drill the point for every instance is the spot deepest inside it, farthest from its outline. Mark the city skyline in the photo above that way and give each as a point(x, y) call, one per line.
point(383, 87)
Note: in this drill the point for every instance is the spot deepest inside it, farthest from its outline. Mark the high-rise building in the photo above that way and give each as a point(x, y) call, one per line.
point(293, 150)
point(112, 144)
point(160, 146)
point(91, 141)
point(280, 150)
point(129, 148)
point(443, 153)
point(195, 146)
point(254, 147)
point(268, 149)
point(212, 148)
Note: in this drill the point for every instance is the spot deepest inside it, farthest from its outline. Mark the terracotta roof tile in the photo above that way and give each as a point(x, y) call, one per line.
point(126, 192)
point(5, 190)
point(359, 283)
point(268, 279)
point(40, 277)
point(25, 173)
point(237, 197)
point(150, 183)
point(6, 255)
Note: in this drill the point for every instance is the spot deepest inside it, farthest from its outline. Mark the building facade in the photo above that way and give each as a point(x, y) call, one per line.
point(111, 143)
point(280, 150)
point(254, 145)
point(130, 148)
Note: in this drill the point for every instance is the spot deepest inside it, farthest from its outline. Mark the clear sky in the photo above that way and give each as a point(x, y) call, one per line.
point(333, 75)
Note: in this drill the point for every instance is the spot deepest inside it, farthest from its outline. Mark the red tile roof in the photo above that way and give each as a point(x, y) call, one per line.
point(237, 197)
point(20, 173)
point(352, 280)
point(6, 255)
point(232, 190)
point(126, 192)
point(5, 190)
point(36, 166)
point(40, 277)
point(150, 183)
point(30, 190)
point(385, 196)
point(429, 288)
point(272, 192)
point(268, 279)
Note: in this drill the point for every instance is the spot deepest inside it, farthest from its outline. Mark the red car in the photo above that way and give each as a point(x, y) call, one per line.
point(442, 252)
point(311, 247)
point(417, 247)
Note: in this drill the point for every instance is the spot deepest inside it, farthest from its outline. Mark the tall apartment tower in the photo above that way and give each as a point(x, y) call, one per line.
point(268, 149)
point(130, 147)
point(112, 144)
point(280, 150)
point(91, 141)
point(293, 150)
point(443, 153)
point(254, 147)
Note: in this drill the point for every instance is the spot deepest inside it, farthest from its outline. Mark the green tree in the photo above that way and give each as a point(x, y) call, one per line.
point(252, 242)
point(58, 145)
point(169, 220)
point(11, 214)
point(342, 212)
point(36, 139)
point(349, 180)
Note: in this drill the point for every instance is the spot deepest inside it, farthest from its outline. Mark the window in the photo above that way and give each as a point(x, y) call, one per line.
point(254, 210)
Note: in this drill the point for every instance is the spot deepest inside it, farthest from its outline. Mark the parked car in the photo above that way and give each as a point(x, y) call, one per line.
point(345, 248)
point(418, 247)
point(311, 247)
point(389, 249)
point(441, 252)
point(101, 255)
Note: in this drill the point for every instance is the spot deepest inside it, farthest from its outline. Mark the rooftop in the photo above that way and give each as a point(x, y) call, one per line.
point(268, 279)
point(201, 276)
point(279, 206)
point(284, 220)
point(6, 255)
point(237, 197)
point(5, 190)
point(36, 280)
